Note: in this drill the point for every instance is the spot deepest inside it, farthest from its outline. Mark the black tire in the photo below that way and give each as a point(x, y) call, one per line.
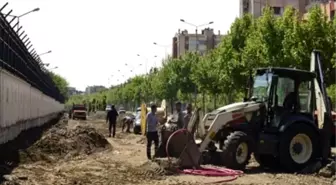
point(286, 160)
point(267, 161)
point(136, 130)
point(231, 144)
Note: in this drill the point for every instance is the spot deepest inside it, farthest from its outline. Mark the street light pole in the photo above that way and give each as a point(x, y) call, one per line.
point(19, 16)
point(145, 62)
point(53, 68)
point(164, 46)
point(197, 26)
point(132, 67)
point(44, 53)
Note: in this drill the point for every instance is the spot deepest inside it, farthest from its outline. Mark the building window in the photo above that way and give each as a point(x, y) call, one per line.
point(246, 6)
point(277, 10)
point(193, 42)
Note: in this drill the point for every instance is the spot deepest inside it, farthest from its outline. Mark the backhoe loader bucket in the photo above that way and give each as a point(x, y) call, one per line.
point(180, 144)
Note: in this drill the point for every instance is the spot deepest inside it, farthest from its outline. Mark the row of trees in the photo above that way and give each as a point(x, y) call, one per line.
point(221, 75)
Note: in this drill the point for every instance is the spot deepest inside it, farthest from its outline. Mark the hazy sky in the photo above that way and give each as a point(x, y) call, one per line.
point(93, 39)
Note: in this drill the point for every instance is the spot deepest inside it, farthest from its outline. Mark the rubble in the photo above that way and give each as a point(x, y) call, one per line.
point(329, 170)
point(63, 141)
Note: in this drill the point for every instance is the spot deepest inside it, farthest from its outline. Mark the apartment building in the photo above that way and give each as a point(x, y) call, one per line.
point(327, 6)
point(94, 89)
point(187, 42)
point(255, 7)
point(73, 91)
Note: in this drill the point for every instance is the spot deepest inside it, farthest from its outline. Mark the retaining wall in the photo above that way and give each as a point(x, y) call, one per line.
point(28, 95)
point(23, 106)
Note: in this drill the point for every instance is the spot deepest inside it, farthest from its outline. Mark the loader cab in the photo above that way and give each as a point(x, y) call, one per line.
point(287, 93)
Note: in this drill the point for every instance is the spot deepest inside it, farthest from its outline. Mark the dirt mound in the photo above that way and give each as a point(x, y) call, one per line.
point(63, 141)
point(156, 169)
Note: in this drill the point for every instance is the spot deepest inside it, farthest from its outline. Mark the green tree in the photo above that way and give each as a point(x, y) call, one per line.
point(221, 75)
point(61, 83)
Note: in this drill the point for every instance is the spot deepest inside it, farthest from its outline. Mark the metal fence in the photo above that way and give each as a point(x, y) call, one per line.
point(18, 57)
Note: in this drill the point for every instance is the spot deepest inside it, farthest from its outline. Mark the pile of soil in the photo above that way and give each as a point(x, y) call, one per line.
point(157, 169)
point(63, 141)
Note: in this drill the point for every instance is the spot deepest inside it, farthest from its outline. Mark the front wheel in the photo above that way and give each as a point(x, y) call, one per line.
point(298, 146)
point(237, 150)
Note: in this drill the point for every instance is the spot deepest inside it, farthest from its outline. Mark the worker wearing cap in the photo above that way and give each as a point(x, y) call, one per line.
point(151, 130)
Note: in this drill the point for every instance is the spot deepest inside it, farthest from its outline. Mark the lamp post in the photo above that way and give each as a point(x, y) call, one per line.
point(44, 53)
point(19, 16)
point(132, 68)
point(155, 61)
point(145, 62)
point(196, 29)
point(46, 64)
point(53, 68)
point(164, 46)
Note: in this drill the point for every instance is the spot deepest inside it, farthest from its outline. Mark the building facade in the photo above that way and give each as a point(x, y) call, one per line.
point(327, 6)
point(189, 42)
point(73, 91)
point(255, 7)
point(94, 89)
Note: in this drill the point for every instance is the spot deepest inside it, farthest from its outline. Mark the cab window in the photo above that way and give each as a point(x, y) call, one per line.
point(284, 88)
point(305, 97)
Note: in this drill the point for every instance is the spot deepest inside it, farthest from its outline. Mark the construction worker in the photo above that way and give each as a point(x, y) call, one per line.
point(179, 116)
point(111, 118)
point(126, 121)
point(151, 130)
point(188, 115)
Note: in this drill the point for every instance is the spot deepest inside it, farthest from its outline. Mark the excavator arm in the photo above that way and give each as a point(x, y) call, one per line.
point(322, 104)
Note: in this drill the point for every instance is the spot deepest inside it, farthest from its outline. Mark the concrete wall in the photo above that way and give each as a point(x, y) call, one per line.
point(22, 106)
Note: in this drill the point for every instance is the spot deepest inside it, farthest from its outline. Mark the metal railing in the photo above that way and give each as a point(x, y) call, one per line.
point(17, 57)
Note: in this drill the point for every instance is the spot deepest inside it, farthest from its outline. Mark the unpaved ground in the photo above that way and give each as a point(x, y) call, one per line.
point(76, 154)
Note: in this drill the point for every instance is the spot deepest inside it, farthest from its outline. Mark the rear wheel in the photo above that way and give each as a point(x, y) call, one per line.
point(298, 147)
point(237, 150)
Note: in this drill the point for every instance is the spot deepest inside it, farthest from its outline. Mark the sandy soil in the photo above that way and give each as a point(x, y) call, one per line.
point(88, 159)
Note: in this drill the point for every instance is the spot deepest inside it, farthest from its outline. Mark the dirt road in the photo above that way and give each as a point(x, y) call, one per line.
point(120, 160)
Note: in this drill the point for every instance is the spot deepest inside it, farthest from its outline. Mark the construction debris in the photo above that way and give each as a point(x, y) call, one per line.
point(329, 170)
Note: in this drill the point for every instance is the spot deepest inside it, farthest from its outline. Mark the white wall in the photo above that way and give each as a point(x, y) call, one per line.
point(22, 106)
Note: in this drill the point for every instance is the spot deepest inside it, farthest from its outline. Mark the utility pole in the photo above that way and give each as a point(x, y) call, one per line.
point(196, 30)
